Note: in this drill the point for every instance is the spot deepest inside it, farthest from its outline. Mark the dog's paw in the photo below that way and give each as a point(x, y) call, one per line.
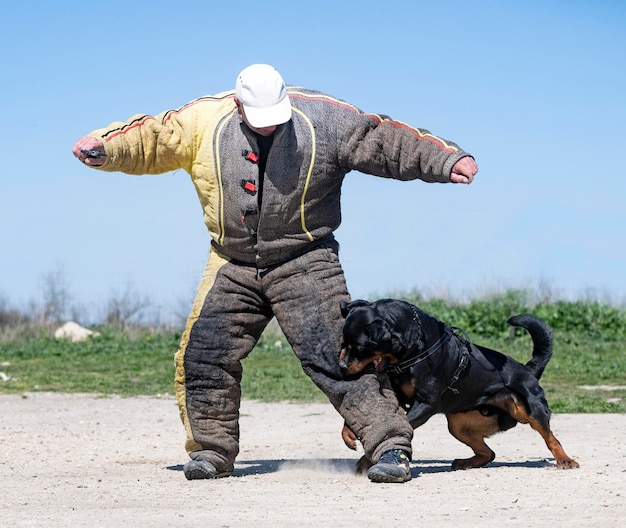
point(473, 462)
point(462, 463)
point(363, 465)
point(567, 463)
point(349, 438)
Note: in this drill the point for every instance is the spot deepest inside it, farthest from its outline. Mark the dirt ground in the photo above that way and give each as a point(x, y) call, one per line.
point(80, 460)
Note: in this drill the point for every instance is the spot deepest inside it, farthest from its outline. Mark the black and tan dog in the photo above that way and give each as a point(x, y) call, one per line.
point(434, 368)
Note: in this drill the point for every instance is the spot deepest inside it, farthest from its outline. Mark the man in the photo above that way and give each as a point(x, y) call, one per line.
point(268, 162)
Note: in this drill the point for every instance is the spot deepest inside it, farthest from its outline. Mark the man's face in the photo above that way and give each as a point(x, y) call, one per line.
point(265, 131)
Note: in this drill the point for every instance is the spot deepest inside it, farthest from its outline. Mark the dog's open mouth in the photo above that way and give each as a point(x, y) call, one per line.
point(380, 364)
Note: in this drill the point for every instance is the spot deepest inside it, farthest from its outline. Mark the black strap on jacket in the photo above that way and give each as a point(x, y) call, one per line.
point(265, 144)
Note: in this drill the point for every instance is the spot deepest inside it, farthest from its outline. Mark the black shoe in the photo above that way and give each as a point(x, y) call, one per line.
point(202, 469)
point(393, 466)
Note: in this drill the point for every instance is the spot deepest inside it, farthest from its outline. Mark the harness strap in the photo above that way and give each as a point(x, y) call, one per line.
point(463, 363)
point(448, 332)
point(408, 363)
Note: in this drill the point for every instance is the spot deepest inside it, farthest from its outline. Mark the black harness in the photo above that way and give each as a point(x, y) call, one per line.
point(448, 332)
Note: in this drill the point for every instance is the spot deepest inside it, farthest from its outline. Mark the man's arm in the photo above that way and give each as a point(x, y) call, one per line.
point(384, 147)
point(142, 145)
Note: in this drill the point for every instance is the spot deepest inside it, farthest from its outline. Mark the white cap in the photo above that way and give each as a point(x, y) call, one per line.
point(262, 91)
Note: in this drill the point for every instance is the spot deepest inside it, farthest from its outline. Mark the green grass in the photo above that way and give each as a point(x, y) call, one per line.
point(144, 365)
point(110, 364)
point(589, 350)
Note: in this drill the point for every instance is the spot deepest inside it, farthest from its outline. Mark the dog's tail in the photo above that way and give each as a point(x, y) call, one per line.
point(541, 335)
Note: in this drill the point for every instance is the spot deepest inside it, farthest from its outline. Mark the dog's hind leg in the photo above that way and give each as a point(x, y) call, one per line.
point(471, 428)
point(541, 424)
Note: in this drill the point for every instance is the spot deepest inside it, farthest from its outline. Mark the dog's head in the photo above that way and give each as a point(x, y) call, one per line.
point(373, 332)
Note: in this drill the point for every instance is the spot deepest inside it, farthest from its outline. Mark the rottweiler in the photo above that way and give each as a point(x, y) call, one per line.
point(434, 368)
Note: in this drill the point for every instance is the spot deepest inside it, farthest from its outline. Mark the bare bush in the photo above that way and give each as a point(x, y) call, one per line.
point(126, 308)
point(56, 297)
point(9, 316)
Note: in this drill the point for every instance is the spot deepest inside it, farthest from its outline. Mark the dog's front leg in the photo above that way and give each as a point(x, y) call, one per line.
point(349, 438)
point(419, 413)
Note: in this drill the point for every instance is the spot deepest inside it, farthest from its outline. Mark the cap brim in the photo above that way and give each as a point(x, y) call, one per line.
point(274, 115)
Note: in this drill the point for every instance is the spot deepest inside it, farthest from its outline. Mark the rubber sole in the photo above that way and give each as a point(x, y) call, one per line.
point(392, 475)
point(202, 469)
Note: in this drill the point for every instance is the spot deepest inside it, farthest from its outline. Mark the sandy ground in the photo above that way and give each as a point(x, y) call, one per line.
point(80, 460)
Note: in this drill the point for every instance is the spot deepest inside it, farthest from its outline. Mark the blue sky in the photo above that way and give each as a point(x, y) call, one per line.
point(535, 90)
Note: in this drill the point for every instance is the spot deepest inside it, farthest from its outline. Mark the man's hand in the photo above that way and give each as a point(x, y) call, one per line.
point(89, 143)
point(464, 170)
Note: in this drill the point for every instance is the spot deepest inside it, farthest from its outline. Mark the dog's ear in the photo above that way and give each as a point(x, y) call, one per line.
point(347, 306)
point(403, 341)
point(378, 332)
